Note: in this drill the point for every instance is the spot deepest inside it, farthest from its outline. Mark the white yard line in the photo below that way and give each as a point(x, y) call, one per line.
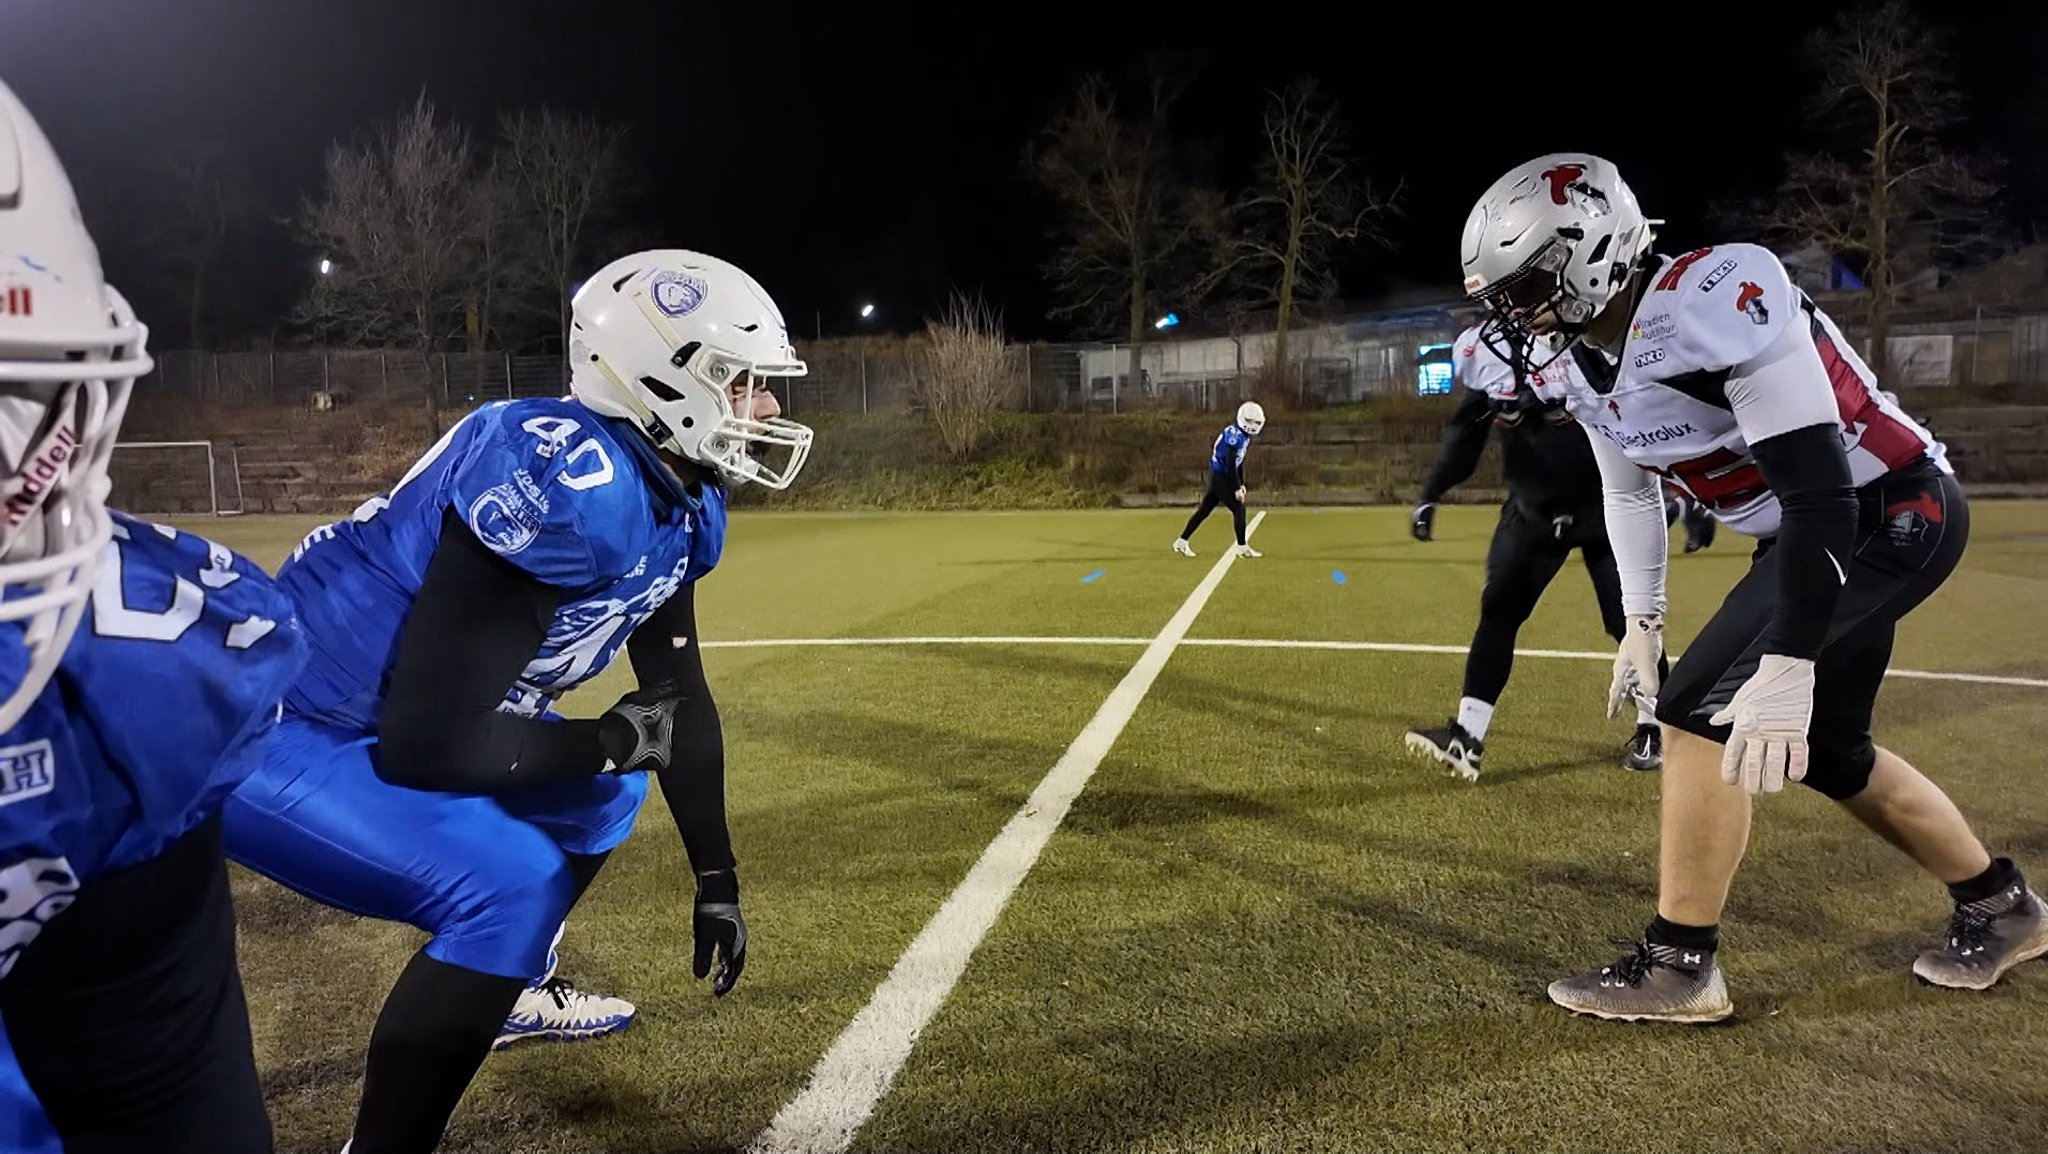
point(803, 642)
point(851, 1078)
point(1282, 643)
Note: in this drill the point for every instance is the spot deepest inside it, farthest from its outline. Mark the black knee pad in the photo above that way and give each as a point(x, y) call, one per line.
point(1839, 772)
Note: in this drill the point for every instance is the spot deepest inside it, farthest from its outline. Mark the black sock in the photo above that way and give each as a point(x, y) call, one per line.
point(583, 869)
point(434, 1032)
point(1666, 933)
point(1998, 875)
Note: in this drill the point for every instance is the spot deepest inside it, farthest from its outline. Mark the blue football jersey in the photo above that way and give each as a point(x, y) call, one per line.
point(576, 499)
point(1228, 454)
point(179, 663)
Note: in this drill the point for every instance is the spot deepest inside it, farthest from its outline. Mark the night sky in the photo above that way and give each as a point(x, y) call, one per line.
point(860, 151)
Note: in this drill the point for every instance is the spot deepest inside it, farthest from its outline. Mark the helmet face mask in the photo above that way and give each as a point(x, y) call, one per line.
point(681, 344)
point(70, 351)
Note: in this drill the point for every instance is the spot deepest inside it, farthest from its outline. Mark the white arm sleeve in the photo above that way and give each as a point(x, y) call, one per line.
point(1783, 388)
point(1635, 527)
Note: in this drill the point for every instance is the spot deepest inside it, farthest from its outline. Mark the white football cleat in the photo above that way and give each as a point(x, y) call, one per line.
point(1181, 547)
point(555, 1010)
point(1248, 551)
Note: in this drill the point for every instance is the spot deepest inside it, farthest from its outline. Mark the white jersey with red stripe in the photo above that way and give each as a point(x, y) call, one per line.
point(1476, 366)
point(1707, 317)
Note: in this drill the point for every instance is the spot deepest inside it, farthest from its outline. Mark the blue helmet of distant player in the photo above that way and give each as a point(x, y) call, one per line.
point(70, 350)
point(676, 343)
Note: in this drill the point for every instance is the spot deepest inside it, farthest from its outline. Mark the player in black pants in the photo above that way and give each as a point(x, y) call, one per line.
point(1226, 478)
point(1553, 507)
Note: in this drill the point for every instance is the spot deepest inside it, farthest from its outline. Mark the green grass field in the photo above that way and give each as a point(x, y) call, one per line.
point(1260, 927)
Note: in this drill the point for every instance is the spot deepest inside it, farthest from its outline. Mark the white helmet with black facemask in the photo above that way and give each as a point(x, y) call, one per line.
point(70, 351)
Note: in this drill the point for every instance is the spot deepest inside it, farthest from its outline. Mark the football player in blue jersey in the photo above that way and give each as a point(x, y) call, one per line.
point(1226, 478)
point(137, 666)
point(420, 775)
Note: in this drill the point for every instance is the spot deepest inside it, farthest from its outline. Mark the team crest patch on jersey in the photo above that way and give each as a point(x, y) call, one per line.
point(27, 771)
point(504, 519)
point(1749, 300)
point(1908, 521)
point(677, 294)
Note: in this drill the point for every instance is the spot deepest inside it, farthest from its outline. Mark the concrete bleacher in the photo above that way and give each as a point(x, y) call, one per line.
point(296, 461)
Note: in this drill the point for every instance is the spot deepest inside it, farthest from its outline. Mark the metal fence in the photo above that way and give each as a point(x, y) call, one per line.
point(1334, 362)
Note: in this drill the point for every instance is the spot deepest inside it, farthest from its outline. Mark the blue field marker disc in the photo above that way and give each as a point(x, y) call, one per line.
point(1337, 575)
point(1093, 576)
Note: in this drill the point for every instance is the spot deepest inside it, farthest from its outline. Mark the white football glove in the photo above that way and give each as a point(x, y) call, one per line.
point(1770, 713)
point(1635, 663)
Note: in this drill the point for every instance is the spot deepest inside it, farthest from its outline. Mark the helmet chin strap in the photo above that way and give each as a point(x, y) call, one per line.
point(1609, 327)
point(44, 466)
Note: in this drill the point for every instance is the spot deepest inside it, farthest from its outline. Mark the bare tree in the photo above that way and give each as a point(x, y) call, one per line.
point(197, 205)
point(511, 297)
point(1308, 202)
point(1902, 203)
point(969, 370)
point(1132, 223)
point(571, 172)
point(398, 220)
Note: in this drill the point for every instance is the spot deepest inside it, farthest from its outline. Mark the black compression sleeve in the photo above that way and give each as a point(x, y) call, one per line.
point(1809, 471)
point(1464, 442)
point(475, 624)
point(664, 651)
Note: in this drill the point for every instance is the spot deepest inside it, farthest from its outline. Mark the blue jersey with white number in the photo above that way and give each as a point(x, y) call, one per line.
point(1227, 457)
point(179, 663)
point(577, 500)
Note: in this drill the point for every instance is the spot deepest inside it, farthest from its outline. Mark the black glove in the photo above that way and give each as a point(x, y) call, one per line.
point(718, 928)
point(1422, 524)
point(639, 731)
point(1560, 525)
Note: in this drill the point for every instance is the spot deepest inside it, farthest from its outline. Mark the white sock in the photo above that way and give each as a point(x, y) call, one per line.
point(1645, 716)
point(1474, 715)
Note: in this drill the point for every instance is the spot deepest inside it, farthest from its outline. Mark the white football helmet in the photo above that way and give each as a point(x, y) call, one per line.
point(70, 350)
point(665, 339)
point(1547, 247)
point(1251, 417)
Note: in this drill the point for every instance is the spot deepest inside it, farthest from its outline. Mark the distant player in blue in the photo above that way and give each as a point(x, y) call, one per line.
point(419, 774)
point(1226, 478)
point(137, 666)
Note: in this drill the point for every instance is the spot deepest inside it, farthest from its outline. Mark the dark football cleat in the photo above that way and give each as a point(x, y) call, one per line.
point(1451, 745)
point(1645, 751)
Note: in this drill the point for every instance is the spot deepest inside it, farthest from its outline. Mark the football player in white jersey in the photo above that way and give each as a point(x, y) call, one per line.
point(1711, 371)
